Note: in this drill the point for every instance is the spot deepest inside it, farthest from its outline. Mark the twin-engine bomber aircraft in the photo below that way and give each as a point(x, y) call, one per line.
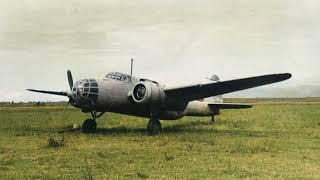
point(126, 94)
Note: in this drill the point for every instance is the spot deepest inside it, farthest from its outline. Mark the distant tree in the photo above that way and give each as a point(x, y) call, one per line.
point(39, 104)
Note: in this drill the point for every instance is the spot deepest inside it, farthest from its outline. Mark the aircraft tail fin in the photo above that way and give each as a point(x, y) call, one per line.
point(215, 99)
point(214, 77)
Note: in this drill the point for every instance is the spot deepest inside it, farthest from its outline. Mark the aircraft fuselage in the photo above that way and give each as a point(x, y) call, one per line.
point(115, 95)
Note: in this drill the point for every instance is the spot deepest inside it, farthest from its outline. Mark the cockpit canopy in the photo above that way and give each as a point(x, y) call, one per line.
point(119, 76)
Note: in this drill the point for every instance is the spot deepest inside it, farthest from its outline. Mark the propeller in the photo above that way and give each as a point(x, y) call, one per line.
point(70, 79)
point(64, 110)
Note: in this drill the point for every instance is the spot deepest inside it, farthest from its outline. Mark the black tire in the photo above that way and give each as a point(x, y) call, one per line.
point(89, 126)
point(154, 127)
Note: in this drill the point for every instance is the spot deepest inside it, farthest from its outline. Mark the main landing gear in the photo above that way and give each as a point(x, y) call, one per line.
point(154, 126)
point(90, 125)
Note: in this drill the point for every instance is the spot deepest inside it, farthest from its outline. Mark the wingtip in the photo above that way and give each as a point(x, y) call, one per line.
point(247, 106)
point(285, 76)
point(288, 75)
point(33, 90)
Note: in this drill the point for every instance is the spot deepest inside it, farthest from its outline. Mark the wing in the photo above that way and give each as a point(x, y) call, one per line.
point(199, 91)
point(49, 92)
point(229, 105)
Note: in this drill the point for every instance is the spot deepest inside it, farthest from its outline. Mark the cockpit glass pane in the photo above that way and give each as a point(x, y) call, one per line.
point(94, 90)
point(94, 85)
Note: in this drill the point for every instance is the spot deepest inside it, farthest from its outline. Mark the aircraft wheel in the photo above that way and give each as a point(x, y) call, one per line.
point(154, 126)
point(89, 126)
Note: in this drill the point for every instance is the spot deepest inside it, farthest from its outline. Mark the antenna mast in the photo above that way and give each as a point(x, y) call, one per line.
point(131, 66)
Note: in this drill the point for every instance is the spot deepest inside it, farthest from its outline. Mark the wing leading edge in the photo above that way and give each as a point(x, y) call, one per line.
point(49, 92)
point(199, 91)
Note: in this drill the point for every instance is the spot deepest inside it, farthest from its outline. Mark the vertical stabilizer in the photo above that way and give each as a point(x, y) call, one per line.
point(214, 99)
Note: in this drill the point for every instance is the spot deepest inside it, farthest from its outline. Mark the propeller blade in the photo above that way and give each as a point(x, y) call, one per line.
point(70, 79)
point(64, 110)
point(61, 115)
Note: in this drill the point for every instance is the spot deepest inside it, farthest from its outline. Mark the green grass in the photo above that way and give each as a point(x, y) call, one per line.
point(280, 140)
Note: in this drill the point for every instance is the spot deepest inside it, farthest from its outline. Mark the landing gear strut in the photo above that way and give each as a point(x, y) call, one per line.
point(154, 126)
point(90, 125)
point(212, 120)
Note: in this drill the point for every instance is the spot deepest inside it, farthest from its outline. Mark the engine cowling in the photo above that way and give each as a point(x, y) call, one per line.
point(147, 92)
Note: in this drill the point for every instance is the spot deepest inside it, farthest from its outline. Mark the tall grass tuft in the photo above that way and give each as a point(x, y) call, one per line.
point(168, 157)
point(55, 143)
point(87, 172)
point(142, 175)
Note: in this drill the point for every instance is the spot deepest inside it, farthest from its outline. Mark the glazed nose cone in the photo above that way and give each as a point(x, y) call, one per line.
point(85, 93)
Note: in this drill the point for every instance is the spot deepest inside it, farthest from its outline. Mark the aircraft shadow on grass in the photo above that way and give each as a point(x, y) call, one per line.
point(189, 127)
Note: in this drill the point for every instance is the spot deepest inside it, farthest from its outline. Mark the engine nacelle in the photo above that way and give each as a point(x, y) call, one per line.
point(146, 92)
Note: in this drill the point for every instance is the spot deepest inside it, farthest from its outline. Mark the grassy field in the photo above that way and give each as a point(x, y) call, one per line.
point(271, 140)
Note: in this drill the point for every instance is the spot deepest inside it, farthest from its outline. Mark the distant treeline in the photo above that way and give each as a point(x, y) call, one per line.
point(263, 100)
point(32, 103)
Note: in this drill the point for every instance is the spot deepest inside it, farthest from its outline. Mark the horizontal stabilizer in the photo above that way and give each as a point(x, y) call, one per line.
point(49, 92)
point(230, 105)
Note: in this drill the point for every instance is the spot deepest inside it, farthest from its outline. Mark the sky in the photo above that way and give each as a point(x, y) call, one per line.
point(175, 42)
